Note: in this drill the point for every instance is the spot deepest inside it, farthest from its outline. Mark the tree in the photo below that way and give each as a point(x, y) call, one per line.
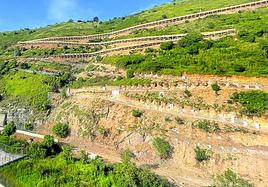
point(162, 147)
point(96, 19)
point(61, 130)
point(216, 88)
point(9, 129)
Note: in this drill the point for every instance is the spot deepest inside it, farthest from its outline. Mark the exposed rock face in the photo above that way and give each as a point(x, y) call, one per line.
point(2, 119)
point(20, 115)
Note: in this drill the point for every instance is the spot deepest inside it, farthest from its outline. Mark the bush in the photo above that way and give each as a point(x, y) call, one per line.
point(136, 113)
point(180, 121)
point(28, 126)
point(190, 39)
point(9, 129)
point(239, 68)
point(67, 153)
point(130, 73)
point(48, 141)
point(103, 131)
point(187, 93)
point(201, 154)
point(216, 88)
point(84, 157)
point(166, 46)
point(162, 147)
point(207, 126)
point(229, 178)
point(253, 103)
point(43, 149)
point(126, 156)
point(36, 150)
point(61, 130)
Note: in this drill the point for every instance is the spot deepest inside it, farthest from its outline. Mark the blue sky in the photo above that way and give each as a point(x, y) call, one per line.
point(16, 14)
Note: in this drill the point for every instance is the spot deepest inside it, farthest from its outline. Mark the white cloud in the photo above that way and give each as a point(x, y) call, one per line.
point(62, 10)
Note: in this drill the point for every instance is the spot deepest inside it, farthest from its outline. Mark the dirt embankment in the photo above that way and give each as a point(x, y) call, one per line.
point(107, 128)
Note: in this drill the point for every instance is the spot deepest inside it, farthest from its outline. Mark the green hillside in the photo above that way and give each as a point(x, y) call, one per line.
point(246, 55)
point(176, 8)
point(251, 21)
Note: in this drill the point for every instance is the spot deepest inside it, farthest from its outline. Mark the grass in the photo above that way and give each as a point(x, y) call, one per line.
point(207, 126)
point(173, 9)
point(252, 103)
point(27, 88)
point(162, 147)
point(252, 21)
point(58, 171)
point(221, 57)
point(230, 178)
point(102, 81)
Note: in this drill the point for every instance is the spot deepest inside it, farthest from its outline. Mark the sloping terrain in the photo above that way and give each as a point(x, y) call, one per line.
point(189, 101)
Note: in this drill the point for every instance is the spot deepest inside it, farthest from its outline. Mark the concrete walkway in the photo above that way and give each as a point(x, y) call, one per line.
point(6, 158)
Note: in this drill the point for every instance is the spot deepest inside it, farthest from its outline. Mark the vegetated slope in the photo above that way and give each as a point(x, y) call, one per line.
point(250, 21)
point(60, 171)
point(173, 9)
point(246, 56)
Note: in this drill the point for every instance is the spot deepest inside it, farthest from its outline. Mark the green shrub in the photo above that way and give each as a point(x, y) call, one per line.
point(207, 126)
point(130, 73)
point(56, 171)
point(28, 126)
point(9, 129)
point(162, 147)
point(201, 154)
point(216, 88)
point(67, 153)
point(180, 121)
point(136, 113)
point(190, 39)
point(10, 144)
point(48, 141)
point(239, 68)
point(168, 119)
point(230, 178)
point(166, 46)
point(61, 130)
point(103, 131)
point(253, 103)
point(187, 93)
point(84, 157)
point(126, 156)
point(36, 150)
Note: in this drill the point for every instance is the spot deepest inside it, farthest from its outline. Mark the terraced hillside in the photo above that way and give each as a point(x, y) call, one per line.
point(78, 29)
point(185, 97)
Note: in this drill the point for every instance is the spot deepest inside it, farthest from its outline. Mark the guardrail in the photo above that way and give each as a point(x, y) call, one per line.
point(174, 38)
point(164, 22)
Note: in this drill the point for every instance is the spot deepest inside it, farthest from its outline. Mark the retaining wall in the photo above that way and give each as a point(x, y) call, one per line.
point(210, 35)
